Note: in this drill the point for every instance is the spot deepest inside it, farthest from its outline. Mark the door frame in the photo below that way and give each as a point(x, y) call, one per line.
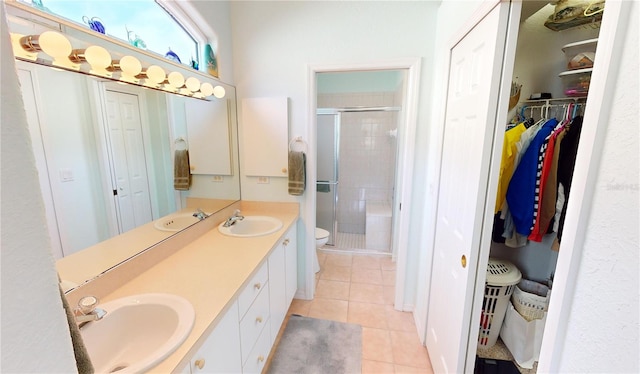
point(404, 174)
point(598, 109)
point(98, 103)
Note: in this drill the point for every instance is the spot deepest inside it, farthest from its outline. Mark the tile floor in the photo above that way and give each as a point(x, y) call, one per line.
point(359, 289)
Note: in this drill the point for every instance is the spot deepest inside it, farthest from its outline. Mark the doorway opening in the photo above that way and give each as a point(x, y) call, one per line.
point(359, 114)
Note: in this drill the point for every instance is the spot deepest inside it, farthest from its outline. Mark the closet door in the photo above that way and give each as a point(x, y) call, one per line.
point(475, 68)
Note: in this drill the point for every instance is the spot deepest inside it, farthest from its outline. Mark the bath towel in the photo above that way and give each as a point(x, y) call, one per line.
point(181, 170)
point(83, 362)
point(297, 173)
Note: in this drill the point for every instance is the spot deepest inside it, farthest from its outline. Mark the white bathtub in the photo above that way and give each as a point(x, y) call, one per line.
point(378, 225)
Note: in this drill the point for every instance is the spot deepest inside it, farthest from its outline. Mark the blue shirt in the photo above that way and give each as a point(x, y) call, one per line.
point(522, 188)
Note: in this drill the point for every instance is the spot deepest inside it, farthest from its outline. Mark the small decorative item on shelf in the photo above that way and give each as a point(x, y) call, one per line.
point(94, 24)
point(210, 60)
point(574, 13)
point(135, 40)
point(38, 4)
point(194, 64)
point(171, 55)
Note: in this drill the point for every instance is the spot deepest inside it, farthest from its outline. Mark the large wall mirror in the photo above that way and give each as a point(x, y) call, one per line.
point(105, 154)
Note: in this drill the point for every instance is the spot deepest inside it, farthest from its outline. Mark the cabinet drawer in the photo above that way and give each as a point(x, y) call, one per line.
point(252, 289)
point(253, 323)
point(258, 355)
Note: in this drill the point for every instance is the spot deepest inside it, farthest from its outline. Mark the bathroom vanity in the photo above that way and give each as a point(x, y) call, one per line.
point(240, 288)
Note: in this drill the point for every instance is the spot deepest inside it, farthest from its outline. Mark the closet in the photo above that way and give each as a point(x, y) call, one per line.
point(553, 59)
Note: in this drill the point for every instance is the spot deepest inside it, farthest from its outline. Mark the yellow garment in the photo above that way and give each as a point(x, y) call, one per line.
point(509, 151)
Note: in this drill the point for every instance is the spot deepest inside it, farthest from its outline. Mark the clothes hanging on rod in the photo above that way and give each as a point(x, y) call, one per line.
point(533, 160)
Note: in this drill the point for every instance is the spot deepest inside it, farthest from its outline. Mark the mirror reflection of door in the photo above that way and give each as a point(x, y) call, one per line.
point(128, 164)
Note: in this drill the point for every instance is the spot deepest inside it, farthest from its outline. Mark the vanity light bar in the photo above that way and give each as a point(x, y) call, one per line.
point(130, 70)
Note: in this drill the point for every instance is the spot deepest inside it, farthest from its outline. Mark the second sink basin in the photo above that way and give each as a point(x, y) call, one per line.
point(252, 226)
point(138, 332)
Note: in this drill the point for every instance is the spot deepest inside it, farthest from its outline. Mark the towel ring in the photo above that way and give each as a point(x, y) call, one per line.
point(297, 145)
point(181, 141)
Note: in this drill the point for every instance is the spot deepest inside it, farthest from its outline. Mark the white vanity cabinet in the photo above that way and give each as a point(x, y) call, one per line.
point(220, 353)
point(283, 279)
point(244, 337)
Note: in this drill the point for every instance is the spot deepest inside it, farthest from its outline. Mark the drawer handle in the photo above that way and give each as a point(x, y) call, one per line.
point(286, 241)
point(259, 319)
point(261, 358)
point(200, 363)
point(257, 286)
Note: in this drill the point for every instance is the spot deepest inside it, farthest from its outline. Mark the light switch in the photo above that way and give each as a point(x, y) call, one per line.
point(66, 175)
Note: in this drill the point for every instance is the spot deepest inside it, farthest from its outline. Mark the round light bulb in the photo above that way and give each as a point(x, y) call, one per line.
point(156, 74)
point(192, 84)
point(219, 92)
point(206, 89)
point(130, 67)
point(55, 45)
point(176, 80)
point(99, 59)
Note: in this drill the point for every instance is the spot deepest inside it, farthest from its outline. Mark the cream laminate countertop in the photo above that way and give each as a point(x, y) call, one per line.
point(209, 272)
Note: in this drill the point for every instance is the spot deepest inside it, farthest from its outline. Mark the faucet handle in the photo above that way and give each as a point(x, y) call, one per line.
point(87, 304)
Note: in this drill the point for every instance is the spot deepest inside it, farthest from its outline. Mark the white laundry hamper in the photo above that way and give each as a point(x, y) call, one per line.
point(502, 277)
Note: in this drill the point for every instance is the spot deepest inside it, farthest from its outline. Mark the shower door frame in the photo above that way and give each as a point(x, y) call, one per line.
point(337, 111)
point(336, 166)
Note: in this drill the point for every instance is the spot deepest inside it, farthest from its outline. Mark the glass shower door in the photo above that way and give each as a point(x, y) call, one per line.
point(327, 177)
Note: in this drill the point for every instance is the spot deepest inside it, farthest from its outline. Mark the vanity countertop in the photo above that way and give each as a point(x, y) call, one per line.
point(209, 272)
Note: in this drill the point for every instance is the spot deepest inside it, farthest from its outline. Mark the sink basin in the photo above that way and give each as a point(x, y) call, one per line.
point(176, 222)
point(138, 332)
point(252, 226)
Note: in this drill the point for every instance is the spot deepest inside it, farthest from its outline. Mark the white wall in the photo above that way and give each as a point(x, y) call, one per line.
point(603, 331)
point(275, 42)
point(35, 334)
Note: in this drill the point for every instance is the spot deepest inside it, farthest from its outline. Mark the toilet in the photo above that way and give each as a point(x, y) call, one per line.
point(322, 237)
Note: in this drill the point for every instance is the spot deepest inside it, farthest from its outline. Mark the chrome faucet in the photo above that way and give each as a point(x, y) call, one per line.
point(87, 312)
point(233, 219)
point(200, 214)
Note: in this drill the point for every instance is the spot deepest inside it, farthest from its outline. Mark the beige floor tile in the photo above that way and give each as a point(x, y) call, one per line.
point(300, 307)
point(400, 369)
point(329, 289)
point(336, 273)
point(408, 351)
point(376, 367)
point(321, 257)
point(336, 259)
point(399, 321)
point(388, 277)
point(376, 345)
point(387, 264)
point(366, 262)
point(367, 293)
point(370, 276)
point(367, 315)
point(335, 310)
point(389, 294)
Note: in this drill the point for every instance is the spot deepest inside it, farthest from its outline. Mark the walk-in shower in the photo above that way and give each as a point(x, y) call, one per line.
point(356, 175)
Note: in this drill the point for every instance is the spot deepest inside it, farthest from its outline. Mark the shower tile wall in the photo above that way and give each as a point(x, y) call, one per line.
point(367, 155)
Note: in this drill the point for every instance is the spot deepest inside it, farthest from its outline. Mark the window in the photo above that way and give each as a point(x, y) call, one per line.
point(143, 21)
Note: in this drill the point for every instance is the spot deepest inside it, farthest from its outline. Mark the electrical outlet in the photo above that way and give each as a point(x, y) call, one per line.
point(263, 180)
point(217, 178)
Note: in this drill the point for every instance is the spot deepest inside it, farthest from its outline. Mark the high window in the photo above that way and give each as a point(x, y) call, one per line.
point(143, 23)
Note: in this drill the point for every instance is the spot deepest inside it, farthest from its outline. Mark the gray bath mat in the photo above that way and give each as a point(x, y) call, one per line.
point(317, 346)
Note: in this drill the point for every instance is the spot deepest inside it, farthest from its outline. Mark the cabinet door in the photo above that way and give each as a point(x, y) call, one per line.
point(220, 353)
point(265, 123)
point(277, 289)
point(291, 264)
